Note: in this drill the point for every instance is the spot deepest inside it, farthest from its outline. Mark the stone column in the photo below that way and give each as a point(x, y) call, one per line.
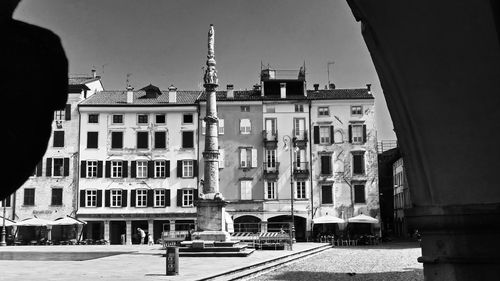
point(263, 226)
point(106, 231)
point(150, 229)
point(128, 232)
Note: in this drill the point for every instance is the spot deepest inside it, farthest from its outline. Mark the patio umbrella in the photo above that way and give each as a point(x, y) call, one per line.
point(33, 222)
point(327, 219)
point(362, 219)
point(8, 222)
point(67, 221)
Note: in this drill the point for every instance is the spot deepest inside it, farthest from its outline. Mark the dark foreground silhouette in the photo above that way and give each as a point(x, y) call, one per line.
point(34, 83)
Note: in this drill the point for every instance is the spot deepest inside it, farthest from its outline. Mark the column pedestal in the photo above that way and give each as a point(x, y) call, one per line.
point(211, 220)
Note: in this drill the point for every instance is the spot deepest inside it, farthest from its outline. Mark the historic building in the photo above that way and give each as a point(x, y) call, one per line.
point(402, 199)
point(138, 162)
point(50, 192)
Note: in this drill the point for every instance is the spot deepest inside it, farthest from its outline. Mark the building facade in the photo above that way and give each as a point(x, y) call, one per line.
point(138, 163)
point(402, 199)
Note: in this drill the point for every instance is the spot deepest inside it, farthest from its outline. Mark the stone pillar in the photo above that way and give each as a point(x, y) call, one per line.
point(106, 231)
point(150, 229)
point(128, 232)
point(441, 87)
point(172, 225)
point(263, 226)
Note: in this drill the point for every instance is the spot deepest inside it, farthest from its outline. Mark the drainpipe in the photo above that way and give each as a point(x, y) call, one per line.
point(198, 146)
point(310, 168)
point(78, 173)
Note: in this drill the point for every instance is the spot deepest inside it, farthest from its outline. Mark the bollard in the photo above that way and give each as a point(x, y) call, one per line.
point(172, 260)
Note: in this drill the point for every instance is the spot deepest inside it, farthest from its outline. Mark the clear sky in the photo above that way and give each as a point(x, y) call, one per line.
point(165, 42)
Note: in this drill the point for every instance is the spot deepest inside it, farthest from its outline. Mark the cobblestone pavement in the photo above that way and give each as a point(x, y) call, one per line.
point(394, 261)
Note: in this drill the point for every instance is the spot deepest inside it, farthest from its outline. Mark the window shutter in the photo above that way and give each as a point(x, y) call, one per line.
point(167, 168)
point(108, 169)
point(39, 168)
point(150, 199)
point(66, 167)
point(67, 113)
point(179, 168)
point(350, 133)
point(82, 198)
point(243, 157)
point(364, 133)
point(99, 198)
point(125, 169)
point(133, 169)
point(179, 197)
point(331, 135)
point(195, 168)
point(83, 169)
point(242, 190)
point(167, 197)
point(124, 197)
point(254, 157)
point(241, 125)
point(132, 198)
point(316, 134)
point(48, 170)
point(151, 169)
point(106, 198)
point(221, 158)
point(195, 195)
point(99, 169)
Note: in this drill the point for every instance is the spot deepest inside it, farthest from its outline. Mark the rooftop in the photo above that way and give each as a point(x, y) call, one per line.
point(119, 97)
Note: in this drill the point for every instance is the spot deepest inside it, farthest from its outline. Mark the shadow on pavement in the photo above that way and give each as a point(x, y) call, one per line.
point(411, 274)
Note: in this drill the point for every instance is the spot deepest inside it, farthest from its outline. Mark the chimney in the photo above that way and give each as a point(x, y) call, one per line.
point(369, 87)
point(130, 94)
point(283, 90)
point(230, 91)
point(94, 73)
point(172, 94)
point(332, 86)
point(316, 87)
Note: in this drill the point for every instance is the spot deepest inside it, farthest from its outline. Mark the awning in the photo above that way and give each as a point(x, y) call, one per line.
point(67, 221)
point(362, 219)
point(8, 222)
point(327, 219)
point(33, 222)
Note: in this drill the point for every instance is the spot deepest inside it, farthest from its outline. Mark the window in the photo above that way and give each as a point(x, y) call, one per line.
point(59, 115)
point(142, 118)
point(359, 193)
point(7, 201)
point(57, 194)
point(270, 158)
point(91, 169)
point(116, 140)
point(246, 190)
point(187, 197)
point(248, 157)
point(245, 126)
point(357, 133)
point(116, 197)
point(245, 108)
point(94, 118)
point(187, 168)
point(326, 166)
point(58, 139)
point(92, 139)
point(299, 108)
point(116, 169)
point(358, 159)
point(142, 140)
point(270, 191)
point(160, 119)
point(326, 194)
point(161, 140)
point(300, 192)
point(159, 198)
point(187, 119)
point(324, 134)
point(356, 110)
point(58, 167)
point(323, 111)
point(29, 197)
point(142, 169)
point(221, 126)
point(141, 198)
point(117, 119)
point(187, 139)
point(160, 169)
point(91, 198)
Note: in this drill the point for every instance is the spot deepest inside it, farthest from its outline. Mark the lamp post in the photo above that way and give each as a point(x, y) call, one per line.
point(2, 242)
point(287, 140)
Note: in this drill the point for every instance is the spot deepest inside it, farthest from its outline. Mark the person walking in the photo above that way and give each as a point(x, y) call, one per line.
point(142, 235)
point(150, 240)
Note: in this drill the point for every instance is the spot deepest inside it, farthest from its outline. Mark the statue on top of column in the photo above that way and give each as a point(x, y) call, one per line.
point(210, 76)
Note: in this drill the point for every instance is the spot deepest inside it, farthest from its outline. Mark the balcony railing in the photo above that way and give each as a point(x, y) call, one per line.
point(300, 138)
point(301, 170)
point(270, 139)
point(271, 170)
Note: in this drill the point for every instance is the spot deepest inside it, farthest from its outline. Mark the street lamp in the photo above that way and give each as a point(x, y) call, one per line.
point(2, 242)
point(287, 140)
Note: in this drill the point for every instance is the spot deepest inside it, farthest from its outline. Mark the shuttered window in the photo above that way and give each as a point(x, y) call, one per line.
point(92, 139)
point(326, 164)
point(358, 158)
point(160, 140)
point(142, 140)
point(326, 194)
point(246, 190)
point(58, 139)
point(116, 140)
point(187, 139)
point(359, 193)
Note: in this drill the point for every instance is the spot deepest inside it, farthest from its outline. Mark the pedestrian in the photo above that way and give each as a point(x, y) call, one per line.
point(150, 240)
point(142, 235)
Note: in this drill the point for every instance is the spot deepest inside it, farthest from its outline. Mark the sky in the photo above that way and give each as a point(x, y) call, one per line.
point(165, 42)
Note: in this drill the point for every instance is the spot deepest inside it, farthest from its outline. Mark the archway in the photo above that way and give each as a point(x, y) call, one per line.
point(275, 224)
point(247, 223)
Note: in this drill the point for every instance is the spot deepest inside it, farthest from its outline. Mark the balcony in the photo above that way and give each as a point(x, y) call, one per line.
point(300, 138)
point(271, 171)
point(301, 170)
point(270, 139)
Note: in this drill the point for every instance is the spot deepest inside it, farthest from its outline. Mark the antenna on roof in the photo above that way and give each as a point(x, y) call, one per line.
point(127, 82)
point(328, 70)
